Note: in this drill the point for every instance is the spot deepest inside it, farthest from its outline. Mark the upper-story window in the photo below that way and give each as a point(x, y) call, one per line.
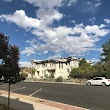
point(59, 65)
point(62, 65)
point(45, 65)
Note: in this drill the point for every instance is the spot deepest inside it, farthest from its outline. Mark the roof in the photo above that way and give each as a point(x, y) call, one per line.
point(60, 60)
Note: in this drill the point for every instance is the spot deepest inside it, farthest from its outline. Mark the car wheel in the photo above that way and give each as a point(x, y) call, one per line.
point(103, 84)
point(88, 83)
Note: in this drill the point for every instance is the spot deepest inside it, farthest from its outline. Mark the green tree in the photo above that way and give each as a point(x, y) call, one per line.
point(33, 70)
point(24, 72)
point(105, 60)
point(9, 58)
point(106, 52)
point(84, 70)
point(10, 63)
point(3, 46)
point(3, 52)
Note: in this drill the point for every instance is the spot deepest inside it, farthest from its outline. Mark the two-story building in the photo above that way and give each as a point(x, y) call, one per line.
point(56, 68)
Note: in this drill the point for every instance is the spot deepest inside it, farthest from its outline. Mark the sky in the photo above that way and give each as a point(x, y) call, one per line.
point(50, 29)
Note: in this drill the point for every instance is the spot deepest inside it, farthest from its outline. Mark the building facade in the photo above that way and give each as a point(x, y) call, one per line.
point(55, 68)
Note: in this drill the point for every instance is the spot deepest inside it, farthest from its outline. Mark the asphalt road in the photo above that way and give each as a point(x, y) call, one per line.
point(91, 97)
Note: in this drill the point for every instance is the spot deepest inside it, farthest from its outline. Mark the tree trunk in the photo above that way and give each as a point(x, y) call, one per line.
point(9, 95)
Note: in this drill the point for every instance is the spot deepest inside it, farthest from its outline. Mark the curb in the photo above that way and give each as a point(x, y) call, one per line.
point(56, 82)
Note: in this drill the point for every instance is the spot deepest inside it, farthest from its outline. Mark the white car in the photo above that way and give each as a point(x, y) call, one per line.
point(99, 81)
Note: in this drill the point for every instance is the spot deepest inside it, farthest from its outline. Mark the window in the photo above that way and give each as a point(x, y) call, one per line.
point(97, 78)
point(68, 70)
point(59, 65)
point(62, 65)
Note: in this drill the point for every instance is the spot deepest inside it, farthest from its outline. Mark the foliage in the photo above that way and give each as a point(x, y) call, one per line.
point(52, 75)
point(3, 46)
point(101, 68)
point(46, 76)
point(59, 79)
point(33, 70)
point(9, 56)
point(28, 70)
point(24, 72)
point(83, 71)
point(106, 52)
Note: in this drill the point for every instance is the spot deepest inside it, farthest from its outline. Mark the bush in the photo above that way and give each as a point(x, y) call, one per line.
point(59, 79)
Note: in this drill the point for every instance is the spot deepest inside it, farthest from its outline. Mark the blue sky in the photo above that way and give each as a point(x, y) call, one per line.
point(47, 29)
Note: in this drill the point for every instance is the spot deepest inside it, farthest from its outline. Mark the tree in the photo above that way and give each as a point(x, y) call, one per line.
point(3, 52)
point(3, 45)
point(11, 62)
point(105, 60)
point(106, 52)
point(9, 57)
point(24, 72)
point(33, 70)
point(84, 70)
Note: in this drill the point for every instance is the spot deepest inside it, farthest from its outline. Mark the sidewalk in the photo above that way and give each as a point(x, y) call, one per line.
point(22, 102)
point(55, 82)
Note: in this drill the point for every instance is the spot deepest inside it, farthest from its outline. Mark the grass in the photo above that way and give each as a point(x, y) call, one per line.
point(4, 107)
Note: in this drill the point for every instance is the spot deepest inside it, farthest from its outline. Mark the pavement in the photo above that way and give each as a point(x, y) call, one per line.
point(23, 102)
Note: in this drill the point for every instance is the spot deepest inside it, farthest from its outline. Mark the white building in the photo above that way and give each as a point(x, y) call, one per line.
point(59, 67)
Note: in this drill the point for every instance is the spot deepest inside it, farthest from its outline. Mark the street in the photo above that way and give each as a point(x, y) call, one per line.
point(90, 97)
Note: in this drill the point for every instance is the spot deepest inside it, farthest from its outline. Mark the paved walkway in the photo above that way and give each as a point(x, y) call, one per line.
point(21, 103)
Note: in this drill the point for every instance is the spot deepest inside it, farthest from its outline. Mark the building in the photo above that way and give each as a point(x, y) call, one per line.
point(56, 68)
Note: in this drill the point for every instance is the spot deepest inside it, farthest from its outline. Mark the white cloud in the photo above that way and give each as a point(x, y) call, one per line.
point(95, 29)
point(89, 6)
point(73, 21)
point(94, 60)
point(25, 64)
point(98, 4)
point(48, 16)
point(93, 19)
point(77, 40)
point(55, 56)
point(46, 4)
point(73, 40)
point(45, 52)
point(107, 21)
point(20, 19)
point(72, 2)
point(28, 51)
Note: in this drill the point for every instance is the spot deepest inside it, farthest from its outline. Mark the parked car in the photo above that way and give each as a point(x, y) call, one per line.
point(98, 81)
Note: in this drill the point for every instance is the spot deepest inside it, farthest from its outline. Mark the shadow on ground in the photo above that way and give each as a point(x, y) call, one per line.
point(16, 104)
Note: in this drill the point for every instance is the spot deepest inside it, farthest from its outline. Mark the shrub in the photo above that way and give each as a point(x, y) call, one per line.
point(59, 79)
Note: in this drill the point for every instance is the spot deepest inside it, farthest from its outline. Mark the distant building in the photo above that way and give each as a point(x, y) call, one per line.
point(59, 67)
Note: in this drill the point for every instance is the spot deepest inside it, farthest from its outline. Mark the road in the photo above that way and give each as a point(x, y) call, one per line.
point(91, 97)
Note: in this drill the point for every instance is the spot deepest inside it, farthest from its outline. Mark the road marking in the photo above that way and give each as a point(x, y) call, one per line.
point(18, 89)
point(35, 92)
